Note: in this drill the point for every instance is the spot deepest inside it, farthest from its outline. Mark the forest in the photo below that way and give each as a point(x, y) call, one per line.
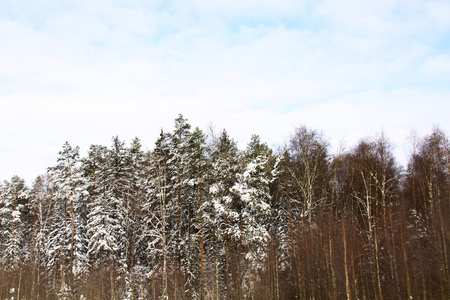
point(198, 218)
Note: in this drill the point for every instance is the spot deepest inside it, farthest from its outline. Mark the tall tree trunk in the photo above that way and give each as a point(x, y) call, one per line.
point(331, 219)
point(111, 276)
point(252, 294)
point(33, 260)
point(165, 275)
point(394, 256)
point(72, 242)
point(20, 283)
point(295, 258)
point(347, 281)
point(239, 259)
point(178, 258)
point(405, 259)
point(201, 240)
point(277, 283)
point(226, 260)
point(38, 277)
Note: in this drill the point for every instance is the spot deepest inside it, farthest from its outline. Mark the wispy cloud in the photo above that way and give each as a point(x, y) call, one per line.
point(87, 70)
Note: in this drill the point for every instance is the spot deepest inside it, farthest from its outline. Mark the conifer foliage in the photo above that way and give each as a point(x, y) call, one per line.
point(197, 218)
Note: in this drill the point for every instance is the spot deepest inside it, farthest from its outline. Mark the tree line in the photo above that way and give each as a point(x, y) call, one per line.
point(197, 218)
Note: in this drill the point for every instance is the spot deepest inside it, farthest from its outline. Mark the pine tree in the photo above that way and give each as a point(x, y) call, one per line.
point(219, 211)
point(198, 166)
point(70, 194)
point(14, 233)
point(179, 167)
point(156, 234)
point(134, 187)
point(13, 199)
point(252, 190)
point(108, 218)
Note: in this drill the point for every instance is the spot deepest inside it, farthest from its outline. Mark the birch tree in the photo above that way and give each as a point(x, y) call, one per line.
point(308, 164)
point(427, 187)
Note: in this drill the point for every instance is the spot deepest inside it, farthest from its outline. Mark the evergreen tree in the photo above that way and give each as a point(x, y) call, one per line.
point(179, 167)
point(14, 235)
point(254, 211)
point(219, 212)
point(67, 230)
point(108, 218)
point(197, 199)
point(156, 234)
point(70, 193)
point(41, 204)
point(134, 195)
point(13, 226)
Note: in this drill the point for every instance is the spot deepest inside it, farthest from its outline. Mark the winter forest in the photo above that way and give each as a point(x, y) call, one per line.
point(197, 218)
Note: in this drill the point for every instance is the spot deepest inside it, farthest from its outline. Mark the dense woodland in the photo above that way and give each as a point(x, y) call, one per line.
point(197, 218)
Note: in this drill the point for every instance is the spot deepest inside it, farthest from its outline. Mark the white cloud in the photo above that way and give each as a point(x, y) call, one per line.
point(437, 11)
point(438, 65)
point(86, 72)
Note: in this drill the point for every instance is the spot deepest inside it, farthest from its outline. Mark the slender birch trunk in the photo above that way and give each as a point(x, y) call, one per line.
point(347, 281)
point(405, 259)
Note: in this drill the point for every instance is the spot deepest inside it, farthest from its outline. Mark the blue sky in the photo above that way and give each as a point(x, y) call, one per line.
point(84, 71)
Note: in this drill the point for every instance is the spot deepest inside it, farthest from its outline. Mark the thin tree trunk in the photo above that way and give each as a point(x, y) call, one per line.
point(38, 276)
point(215, 280)
point(20, 282)
point(277, 286)
point(33, 277)
point(330, 254)
point(2, 287)
point(63, 277)
point(295, 258)
point(201, 241)
point(111, 276)
point(154, 286)
point(405, 258)
point(354, 279)
point(377, 262)
point(239, 260)
point(162, 190)
point(226, 260)
point(72, 242)
point(394, 258)
point(347, 281)
point(102, 286)
point(250, 279)
point(175, 276)
point(178, 258)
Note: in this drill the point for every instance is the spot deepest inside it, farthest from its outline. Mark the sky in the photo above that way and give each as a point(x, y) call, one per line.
point(85, 71)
